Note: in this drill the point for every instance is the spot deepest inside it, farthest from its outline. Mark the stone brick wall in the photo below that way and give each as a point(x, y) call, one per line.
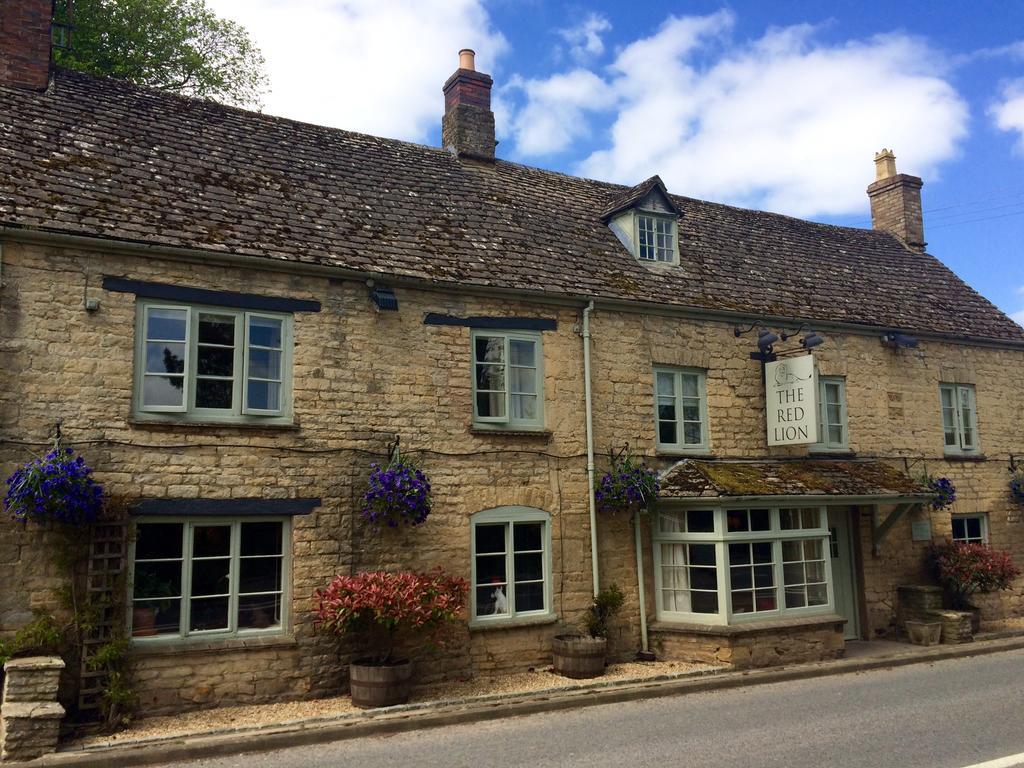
point(362, 375)
point(25, 43)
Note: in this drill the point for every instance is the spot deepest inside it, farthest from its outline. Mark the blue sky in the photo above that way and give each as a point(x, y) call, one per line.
point(778, 106)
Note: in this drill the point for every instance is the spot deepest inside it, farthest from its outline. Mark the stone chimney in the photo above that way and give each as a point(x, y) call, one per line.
point(467, 128)
point(896, 202)
point(25, 43)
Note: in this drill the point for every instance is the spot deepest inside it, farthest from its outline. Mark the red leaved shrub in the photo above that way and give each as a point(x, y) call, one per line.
point(963, 569)
point(379, 607)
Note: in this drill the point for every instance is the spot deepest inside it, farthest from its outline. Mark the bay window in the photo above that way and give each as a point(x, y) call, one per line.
point(730, 565)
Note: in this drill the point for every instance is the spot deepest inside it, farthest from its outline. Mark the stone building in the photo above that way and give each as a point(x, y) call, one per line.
point(232, 315)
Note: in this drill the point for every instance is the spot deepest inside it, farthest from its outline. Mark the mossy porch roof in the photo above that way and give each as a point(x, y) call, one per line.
point(693, 478)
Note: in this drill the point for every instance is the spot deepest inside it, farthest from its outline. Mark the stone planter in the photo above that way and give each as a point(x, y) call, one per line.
point(579, 656)
point(956, 626)
point(379, 685)
point(975, 617)
point(924, 632)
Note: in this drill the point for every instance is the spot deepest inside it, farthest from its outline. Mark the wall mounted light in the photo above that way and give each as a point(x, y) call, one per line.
point(384, 298)
point(896, 339)
point(811, 340)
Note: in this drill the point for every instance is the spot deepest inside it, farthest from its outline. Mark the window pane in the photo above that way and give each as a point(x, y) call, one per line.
point(490, 349)
point(789, 519)
point(973, 527)
point(217, 329)
point(791, 551)
point(214, 393)
point(702, 554)
point(261, 539)
point(666, 409)
point(265, 364)
point(817, 594)
point(796, 597)
point(691, 410)
point(529, 597)
point(524, 380)
point(700, 521)
point(490, 569)
point(671, 522)
point(834, 413)
point(762, 552)
point(737, 520)
point(527, 536)
point(835, 435)
point(813, 550)
point(959, 528)
point(690, 386)
point(156, 617)
point(764, 599)
point(490, 378)
point(211, 541)
point(704, 602)
point(742, 602)
point(209, 613)
point(667, 432)
point(524, 407)
point(491, 601)
point(703, 578)
point(529, 568)
point(760, 520)
point(490, 405)
point(259, 611)
point(166, 324)
point(739, 554)
point(259, 574)
point(265, 332)
point(741, 578)
point(490, 538)
point(215, 361)
point(163, 390)
point(157, 580)
point(665, 384)
point(157, 540)
point(211, 577)
point(165, 357)
point(522, 352)
point(947, 397)
point(810, 518)
point(691, 433)
point(264, 396)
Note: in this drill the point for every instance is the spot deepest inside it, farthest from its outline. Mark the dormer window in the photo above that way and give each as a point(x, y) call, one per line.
point(655, 238)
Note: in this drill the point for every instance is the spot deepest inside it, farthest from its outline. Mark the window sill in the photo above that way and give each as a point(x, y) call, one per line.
point(141, 422)
point(171, 647)
point(537, 434)
point(704, 453)
point(833, 453)
point(749, 627)
point(964, 457)
point(476, 625)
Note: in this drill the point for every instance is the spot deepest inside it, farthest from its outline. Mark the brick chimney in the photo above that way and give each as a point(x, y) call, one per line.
point(467, 128)
point(25, 43)
point(896, 202)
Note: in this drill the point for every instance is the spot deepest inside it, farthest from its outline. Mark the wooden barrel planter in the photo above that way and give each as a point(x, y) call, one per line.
point(377, 685)
point(579, 656)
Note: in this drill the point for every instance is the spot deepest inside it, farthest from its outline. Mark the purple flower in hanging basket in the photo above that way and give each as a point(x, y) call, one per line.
point(1017, 486)
point(397, 494)
point(56, 488)
point(944, 490)
point(628, 484)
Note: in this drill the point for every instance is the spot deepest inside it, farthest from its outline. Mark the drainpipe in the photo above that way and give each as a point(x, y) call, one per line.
point(645, 652)
point(588, 398)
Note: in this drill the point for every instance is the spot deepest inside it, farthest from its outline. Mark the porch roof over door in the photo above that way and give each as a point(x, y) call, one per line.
point(824, 481)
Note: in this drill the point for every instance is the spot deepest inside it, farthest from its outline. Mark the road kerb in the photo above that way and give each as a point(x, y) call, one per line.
point(214, 744)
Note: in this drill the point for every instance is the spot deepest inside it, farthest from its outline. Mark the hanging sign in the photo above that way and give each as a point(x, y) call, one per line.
point(791, 401)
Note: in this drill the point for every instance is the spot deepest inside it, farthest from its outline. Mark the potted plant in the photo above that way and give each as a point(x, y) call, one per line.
point(156, 593)
point(944, 490)
point(1017, 485)
point(57, 488)
point(583, 656)
point(629, 484)
point(963, 569)
point(378, 609)
point(398, 493)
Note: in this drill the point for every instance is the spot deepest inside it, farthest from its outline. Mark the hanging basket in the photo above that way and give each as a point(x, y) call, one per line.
point(1017, 486)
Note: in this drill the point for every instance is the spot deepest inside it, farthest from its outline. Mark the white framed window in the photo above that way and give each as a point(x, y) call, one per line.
point(959, 418)
point(508, 380)
point(970, 529)
point(212, 363)
point(681, 409)
point(731, 565)
point(656, 238)
point(511, 565)
point(832, 419)
point(208, 577)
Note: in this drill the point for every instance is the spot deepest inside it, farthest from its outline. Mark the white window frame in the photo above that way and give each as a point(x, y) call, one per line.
point(508, 516)
point(508, 422)
point(958, 392)
point(721, 539)
point(982, 519)
point(673, 232)
point(239, 411)
point(702, 392)
point(825, 444)
point(188, 523)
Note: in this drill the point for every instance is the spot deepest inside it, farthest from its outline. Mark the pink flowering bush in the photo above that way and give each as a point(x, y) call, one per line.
point(963, 569)
point(379, 607)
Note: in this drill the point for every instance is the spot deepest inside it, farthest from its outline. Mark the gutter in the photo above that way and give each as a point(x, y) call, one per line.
point(589, 403)
point(575, 300)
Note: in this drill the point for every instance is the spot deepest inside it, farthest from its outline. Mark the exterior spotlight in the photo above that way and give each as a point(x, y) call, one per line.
point(812, 340)
point(897, 339)
point(384, 298)
point(765, 339)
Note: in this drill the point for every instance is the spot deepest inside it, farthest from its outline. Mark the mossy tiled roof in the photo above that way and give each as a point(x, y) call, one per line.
point(694, 478)
point(103, 158)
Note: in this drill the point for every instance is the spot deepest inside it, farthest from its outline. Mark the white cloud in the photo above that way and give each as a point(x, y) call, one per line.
point(585, 39)
point(1009, 113)
point(783, 122)
point(365, 65)
point(1018, 317)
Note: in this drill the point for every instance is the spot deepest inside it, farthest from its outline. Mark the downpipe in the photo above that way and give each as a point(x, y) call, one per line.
point(589, 405)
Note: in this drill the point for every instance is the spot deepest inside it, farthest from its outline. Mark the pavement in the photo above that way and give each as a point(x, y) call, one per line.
point(863, 657)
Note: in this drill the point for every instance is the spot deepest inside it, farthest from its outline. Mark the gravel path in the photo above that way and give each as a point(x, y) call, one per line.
point(191, 723)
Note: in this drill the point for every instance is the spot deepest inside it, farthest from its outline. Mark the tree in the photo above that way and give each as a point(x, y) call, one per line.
point(179, 46)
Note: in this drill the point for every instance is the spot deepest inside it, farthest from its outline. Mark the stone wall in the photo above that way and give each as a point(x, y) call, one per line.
point(361, 375)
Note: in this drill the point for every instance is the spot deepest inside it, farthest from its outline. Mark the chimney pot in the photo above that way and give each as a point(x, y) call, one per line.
point(896, 202)
point(467, 128)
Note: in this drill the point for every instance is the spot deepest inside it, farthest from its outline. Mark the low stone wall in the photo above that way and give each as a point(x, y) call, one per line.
point(760, 644)
point(30, 715)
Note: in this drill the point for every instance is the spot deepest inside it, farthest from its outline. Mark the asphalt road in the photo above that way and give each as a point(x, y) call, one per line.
point(949, 714)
